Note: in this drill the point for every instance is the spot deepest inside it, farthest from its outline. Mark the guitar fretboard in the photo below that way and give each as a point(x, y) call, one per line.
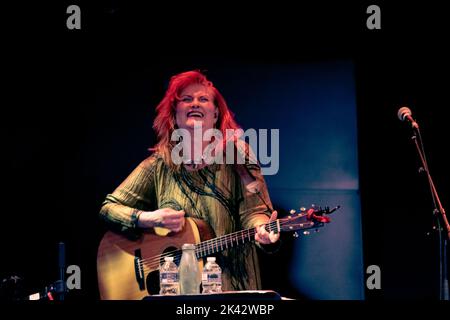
point(231, 240)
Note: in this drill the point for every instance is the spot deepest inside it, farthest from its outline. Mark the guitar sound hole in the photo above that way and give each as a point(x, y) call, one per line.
point(152, 280)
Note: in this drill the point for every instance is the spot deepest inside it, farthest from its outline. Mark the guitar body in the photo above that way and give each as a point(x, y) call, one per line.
point(119, 271)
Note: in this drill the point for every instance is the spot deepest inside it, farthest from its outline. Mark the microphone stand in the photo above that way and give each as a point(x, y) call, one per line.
point(60, 285)
point(438, 212)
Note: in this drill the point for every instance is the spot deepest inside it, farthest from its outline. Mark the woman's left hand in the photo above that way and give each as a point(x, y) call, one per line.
point(264, 237)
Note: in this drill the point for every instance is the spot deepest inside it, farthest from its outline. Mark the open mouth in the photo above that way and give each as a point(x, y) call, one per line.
point(195, 114)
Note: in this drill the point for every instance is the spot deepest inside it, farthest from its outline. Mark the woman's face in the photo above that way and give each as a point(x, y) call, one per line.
point(196, 106)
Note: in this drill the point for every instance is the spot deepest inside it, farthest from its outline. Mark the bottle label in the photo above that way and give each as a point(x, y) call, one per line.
point(169, 277)
point(212, 277)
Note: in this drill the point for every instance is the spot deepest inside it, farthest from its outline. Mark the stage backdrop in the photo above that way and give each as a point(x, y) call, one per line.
point(314, 107)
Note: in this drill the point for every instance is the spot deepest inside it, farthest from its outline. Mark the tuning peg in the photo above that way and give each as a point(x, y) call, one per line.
point(295, 234)
point(302, 209)
point(306, 233)
point(292, 211)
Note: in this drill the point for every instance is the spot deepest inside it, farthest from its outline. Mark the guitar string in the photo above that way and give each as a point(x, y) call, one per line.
point(203, 246)
point(153, 265)
point(206, 246)
point(209, 245)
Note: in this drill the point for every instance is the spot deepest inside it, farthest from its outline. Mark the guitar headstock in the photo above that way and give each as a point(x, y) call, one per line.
point(306, 219)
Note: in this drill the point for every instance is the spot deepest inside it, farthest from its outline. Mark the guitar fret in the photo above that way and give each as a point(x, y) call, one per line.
point(274, 226)
point(230, 240)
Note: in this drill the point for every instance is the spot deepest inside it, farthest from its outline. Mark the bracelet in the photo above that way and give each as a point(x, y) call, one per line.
point(135, 217)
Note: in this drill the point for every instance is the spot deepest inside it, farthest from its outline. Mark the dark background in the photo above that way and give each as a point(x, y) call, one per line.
point(60, 128)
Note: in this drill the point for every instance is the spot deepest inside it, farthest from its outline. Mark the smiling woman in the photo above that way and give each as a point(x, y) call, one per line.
point(161, 193)
point(196, 104)
point(196, 109)
point(190, 98)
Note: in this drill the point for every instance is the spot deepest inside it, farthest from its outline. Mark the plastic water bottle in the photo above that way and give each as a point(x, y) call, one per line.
point(168, 278)
point(211, 276)
point(190, 276)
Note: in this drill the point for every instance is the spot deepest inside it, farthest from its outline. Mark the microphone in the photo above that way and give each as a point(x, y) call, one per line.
point(404, 113)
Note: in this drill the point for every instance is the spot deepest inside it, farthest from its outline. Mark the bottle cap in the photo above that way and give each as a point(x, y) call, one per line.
point(211, 259)
point(168, 259)
point(188, 246)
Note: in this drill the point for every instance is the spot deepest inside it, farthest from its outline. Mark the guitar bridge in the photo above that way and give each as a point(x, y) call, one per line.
point(139, 269)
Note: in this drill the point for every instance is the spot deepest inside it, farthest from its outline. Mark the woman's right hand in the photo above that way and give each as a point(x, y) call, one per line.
point(165, 218)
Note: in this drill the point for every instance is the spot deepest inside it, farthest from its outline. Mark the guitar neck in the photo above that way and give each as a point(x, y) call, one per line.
point(231, 240)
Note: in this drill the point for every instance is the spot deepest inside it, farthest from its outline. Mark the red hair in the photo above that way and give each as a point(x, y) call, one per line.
point(165, 123)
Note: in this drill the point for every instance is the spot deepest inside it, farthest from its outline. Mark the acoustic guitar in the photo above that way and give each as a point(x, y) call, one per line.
point(129, 270)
